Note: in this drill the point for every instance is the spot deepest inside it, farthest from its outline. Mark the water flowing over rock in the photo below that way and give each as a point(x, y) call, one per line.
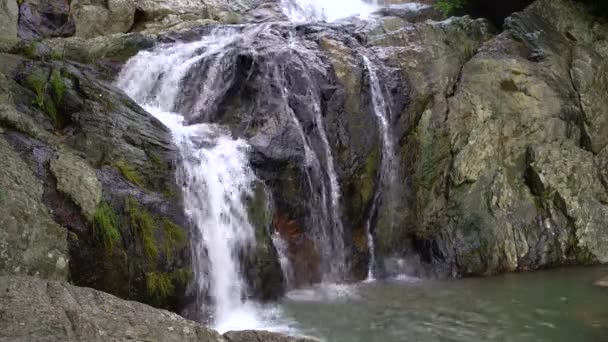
point(214, 173)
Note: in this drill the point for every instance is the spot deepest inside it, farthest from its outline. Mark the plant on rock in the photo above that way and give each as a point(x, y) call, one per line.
point(143, 224)
point(130, 173)
point(448, 7)
point(106, 224)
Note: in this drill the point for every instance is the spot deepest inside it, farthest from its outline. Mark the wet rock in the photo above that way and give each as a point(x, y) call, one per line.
point(45, 18)
point(109, 49)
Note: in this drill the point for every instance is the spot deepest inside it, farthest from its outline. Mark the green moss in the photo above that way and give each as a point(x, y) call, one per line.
point(174, 237)
point(370, 169)
point(143, 225)
point(106, 224)
point(30, 51)
point(130, 173)
point(36, 81)
point(450, 7)
point(157, 161)
point(57, 86)
point(159, 285)
point(57, 55)
point(182, 276)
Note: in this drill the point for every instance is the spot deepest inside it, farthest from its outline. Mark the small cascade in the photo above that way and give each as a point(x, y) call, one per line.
point(214, 173)
point(181, 83)
point(320, 10)
point(387, 172)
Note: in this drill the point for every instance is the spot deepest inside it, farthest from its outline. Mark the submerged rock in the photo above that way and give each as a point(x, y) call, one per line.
point(603, 282)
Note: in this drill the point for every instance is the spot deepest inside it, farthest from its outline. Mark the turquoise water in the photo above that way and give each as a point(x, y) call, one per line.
point(556, 305)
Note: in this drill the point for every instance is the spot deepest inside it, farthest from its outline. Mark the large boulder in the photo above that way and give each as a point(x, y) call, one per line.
point(509, 173)
point(90, 177)
point(35, 310)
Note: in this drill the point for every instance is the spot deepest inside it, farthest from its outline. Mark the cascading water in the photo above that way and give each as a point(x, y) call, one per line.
point(320, 10)
point(387, 173)
point(214, 173)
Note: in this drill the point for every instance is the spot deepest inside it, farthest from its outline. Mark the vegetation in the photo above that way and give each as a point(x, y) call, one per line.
point(57, 86)
point(448, 7)
point(39, 81)
point(174, 237)
point(159, 285)
point(106, 224)
point(36, 81)
point(130, 173)
point(144, 226)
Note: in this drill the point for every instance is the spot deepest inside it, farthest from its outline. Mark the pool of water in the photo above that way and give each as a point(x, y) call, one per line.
point(556, 305)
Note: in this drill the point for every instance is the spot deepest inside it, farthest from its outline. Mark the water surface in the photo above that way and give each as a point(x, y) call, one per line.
point(556, 305)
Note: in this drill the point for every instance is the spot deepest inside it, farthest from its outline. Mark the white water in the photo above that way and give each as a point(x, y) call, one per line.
point(380, 110)
point(215, 176)
point(326, 10)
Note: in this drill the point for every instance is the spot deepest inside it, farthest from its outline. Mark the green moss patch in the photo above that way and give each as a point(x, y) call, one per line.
point(36, 81)
point(143, 225)
point(130, 173)
point(106, 224)
point(175, 237)
point(41, 83)
point(161, 285)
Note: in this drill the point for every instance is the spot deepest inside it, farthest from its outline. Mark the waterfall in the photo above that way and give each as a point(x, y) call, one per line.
point(214, 174)
point(387, 174)
point(322, 10)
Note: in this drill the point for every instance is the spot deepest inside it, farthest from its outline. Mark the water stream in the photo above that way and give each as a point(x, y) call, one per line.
point(214, 173)
point(387, 167)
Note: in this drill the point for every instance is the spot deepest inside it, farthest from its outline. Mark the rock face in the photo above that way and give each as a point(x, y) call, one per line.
point(88, 186)
point(30, 241)
point(510, 164)
point(34, 310)
point(99, 18)
point(45, 18)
